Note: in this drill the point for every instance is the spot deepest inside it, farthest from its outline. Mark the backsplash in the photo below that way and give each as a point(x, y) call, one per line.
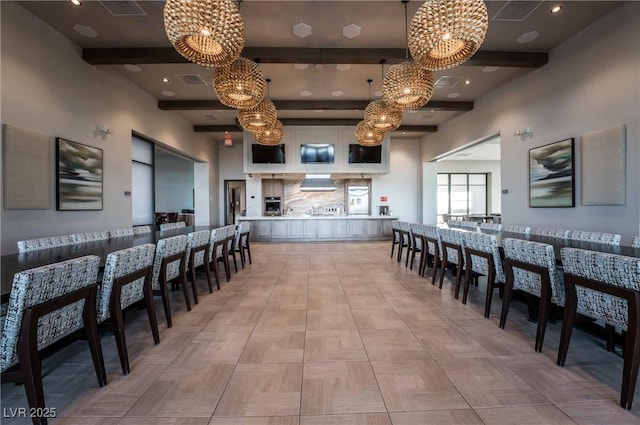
point(298, 202)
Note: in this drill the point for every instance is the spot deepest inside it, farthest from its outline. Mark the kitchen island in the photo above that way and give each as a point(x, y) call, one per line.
point(323, 227)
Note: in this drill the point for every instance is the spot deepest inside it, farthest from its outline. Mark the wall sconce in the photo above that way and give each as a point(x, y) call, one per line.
point(102, 131)
point(524, 133)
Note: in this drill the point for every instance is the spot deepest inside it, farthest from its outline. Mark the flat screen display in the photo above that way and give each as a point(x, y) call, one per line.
point(317, 153)
point(268, 154)
point(359, 154)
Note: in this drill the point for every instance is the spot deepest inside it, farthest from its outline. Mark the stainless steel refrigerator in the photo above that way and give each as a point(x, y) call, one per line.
point(358, 200)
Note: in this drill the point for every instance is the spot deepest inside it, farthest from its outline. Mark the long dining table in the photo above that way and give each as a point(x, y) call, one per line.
point(13, 263)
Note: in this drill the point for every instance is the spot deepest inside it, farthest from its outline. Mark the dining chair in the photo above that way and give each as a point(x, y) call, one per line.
point(468, 224)
point(231, 245)
point(198, 256)
point(180, 224)
point(79, 238)
point(37, 244)
point(395, 231)
point(141, 230)
point(167, 226)
point(405, 238)
point(531, 267)
point(604, 287)
point(636, 242)
point(491, 226)
point(552, 233)
point(452, 255)
point(483, 257)
point(432, 250)
point(47, 304)
point(516, 228)
point(123, 231)
point(217, 253)
point(453, 223)
point(127, 280)
point(244, 247)
point(417, 235)
point(169, 266)
point(603, 238)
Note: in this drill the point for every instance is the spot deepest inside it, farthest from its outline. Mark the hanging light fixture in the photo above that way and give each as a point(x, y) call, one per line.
point(369, 136)
point(378, 114)
point(260, 117)
point(270, 136)
point(445, 33)
point(407, 85)
point(207, 32)
point(240, 84)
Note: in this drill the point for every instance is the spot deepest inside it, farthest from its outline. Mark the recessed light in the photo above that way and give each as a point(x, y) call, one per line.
point(556, 8)
point(76, 2)
point(165, 80)
point(337, 93)
point(167, 93)
point(404, 132)
point(467, 82)
point(527, 37)
point(85, 31)
point(319, 66)
point(301, 65)
point(488, 69)
point(302, 30)
point(378, 94)
point(343, 66)
point(133, 68)
point(305, 93)
point(351, 31)
point(318, 110)
point(453, 95)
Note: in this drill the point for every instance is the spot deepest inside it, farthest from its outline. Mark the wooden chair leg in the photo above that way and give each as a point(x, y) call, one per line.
point(506, 300)
point(489, 297)
point(543, 316)
point(165, 301)
point(631, 363)
point(467, 282)
point(90, 320)
point(611, 337)
point(118, 333)
point(31, 375)
point(208, 276)
point(151, 311)
point(194, 288)
point(442, 270)
point(435, 271)
point(241, 251)
point(183, 281)
point(214, 266)
point(568, 319)
point(235, 263)
point(248, 248)
point(458, 280)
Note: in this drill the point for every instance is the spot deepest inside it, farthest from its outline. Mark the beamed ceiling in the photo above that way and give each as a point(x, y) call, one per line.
point(320, 79)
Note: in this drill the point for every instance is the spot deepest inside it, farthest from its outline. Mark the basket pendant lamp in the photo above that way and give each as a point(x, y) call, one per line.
point(407, 85)
point(206, 32)
point(445, 33)
point(270, 136)
point(260, 117)
point(240, 84)
point(369, 136)
point(380, 115)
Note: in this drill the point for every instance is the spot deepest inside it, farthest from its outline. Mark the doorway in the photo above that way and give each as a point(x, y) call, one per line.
point(235, 200)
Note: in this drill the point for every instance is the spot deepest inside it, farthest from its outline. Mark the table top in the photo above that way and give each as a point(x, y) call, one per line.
point(10, 264)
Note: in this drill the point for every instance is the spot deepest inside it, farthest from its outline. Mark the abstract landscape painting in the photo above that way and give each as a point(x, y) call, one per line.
point(551, 175)
point(79, 176)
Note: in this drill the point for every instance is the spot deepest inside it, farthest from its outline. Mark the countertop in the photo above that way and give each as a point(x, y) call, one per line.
point(319, 217)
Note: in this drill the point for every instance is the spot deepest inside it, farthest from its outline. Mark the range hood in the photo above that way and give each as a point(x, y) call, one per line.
point(317, 183)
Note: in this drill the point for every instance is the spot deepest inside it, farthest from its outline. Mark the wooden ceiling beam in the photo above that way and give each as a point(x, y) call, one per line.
point(312, 121)
point(305, 105)
point(162, 55)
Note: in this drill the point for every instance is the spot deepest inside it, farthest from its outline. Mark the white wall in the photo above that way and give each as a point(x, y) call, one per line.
point(173, 183)
point(590, 83)
point(402, 186)
point(494, 182)
point(48, 88)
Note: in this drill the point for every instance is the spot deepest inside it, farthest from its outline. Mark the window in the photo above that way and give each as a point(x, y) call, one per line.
point(141, 181)
point(462, 194)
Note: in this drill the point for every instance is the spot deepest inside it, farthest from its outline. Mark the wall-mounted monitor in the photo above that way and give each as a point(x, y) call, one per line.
point(268, 154)
point(317, 153)
point(359, 154)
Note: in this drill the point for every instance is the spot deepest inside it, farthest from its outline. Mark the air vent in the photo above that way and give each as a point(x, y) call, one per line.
point(516, 11)
point(210, 117)
point(447, 81)
point(191, 79)
point(123, 8)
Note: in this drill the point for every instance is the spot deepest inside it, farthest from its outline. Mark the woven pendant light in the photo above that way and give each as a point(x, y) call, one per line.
point(445, 33)
point(369, 136)
point(270, 136)
point(206, 32)
point(260, 117)
point(240, 84)
point(380, 115)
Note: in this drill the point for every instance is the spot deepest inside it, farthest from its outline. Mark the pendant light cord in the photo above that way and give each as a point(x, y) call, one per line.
point(268, 80)
point(406, 29)
point(369, 81)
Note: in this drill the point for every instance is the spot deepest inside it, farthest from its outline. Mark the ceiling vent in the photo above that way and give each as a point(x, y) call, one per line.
point(191, 79)
point(123, 8)
point(516, 11)
point(447, 81)
point(210, 117)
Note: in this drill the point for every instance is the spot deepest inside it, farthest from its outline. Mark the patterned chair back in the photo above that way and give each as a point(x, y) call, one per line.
point(243, 229)
point(491, 226)
point(39, 285)
point(417, 232)
point(141, 230)
point(43, 243)
point(403, 226)
point(230, 231)
point(454, 223)
point(195, 240)
point(218, 236)
point(538, 254)
point(455, 237)
point(167, 226)
point(552, 233)
point(489, 245)
point(122, 263)
point(611, 269)
point(118, 233)
point(180, 224)
point(469, 224)
point(516, 228)
point(166, 248)
point(604, 238)
point(433, 232)
point(89, 237)
point(636, 242)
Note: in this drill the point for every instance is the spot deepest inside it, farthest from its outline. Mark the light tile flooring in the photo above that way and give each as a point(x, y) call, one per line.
point(334, 333)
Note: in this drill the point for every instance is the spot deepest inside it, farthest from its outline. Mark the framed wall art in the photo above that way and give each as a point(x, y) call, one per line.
point(552, 175)
point(78, 176)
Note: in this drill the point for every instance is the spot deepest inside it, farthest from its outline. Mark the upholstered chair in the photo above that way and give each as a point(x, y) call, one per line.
point(491, 226)
point(604, 287)
point(516, 228)
point(552, 233)
point(231, 246)
point(483, 258)
point(531, 268)
point(125, 281)
point(636, 242)
point(452, 255)
point(596, 237)
point(217, 252)
point(417, 242)
point(118, 233)
point(141, 230)
point(198, 256)
point(469, 224)
point(167, 226)
point(169, 265)
point(405, 238)
point(47, 304)
point(43, 243)
point(180, 224)
point(79, 238)
point(432, 251)
point(395, 240)
point(244, 247)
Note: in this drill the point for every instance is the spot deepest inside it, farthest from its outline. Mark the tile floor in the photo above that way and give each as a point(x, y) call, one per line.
point(334, 333)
